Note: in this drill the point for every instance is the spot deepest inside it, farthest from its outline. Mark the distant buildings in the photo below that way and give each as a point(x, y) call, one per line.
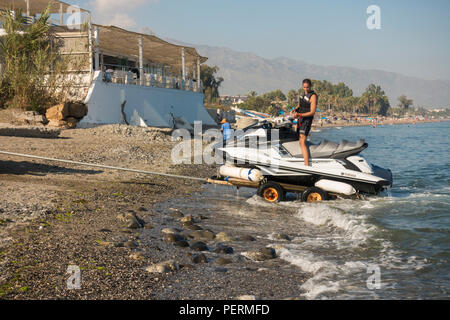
point(233, 100)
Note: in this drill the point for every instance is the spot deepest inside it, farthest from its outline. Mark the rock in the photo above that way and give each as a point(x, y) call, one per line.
point(58, 124)
point(131, 244)
point(132, 215)
point(163, 267)
point(199, 258)
point(32, 118)
point(182, 244)
point(204, 235)
point(71, 122)
point(173, 237)
point(247, 297)
point(137, 256)
point(223, 261)
point(193, 227)
point(223, 237)
point(223, 249)
point(132, 221)
point(293, 298)
point(190, 218)
point(199, 246)
point(262, 254)
point(247, 238)
point(133, 224)
point(77, 110)
point(175, 213)
point(220, 269)
point(282, 236)
point(187, 223)
point(170, 231)
point(58, 112)
point(104, 243)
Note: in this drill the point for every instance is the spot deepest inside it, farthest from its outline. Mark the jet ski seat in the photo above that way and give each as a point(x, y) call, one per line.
point(327, 149)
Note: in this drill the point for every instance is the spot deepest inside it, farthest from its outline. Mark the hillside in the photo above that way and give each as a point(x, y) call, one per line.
point(244, 71)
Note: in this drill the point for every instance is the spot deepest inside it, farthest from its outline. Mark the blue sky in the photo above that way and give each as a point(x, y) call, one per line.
point(413, 39)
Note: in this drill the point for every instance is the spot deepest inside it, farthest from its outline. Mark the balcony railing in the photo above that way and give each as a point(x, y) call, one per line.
point(151, 80)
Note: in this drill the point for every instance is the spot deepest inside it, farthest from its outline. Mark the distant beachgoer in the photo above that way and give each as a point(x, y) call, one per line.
point(225, 129)
point(108, 75)
point(305, 111)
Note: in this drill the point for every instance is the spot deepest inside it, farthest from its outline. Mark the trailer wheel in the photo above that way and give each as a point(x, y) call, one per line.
point(314, 194)
point(271, 192)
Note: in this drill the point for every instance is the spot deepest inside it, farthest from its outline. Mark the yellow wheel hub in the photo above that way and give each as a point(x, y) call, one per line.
point(314, 197)
point(271, 194)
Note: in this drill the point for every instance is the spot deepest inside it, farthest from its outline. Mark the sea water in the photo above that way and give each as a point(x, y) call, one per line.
point(392, 246)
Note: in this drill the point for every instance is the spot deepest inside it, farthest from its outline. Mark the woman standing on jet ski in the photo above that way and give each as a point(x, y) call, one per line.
point(305, 112)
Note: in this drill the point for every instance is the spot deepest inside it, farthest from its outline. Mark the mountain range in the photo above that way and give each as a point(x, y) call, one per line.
point(244, 72)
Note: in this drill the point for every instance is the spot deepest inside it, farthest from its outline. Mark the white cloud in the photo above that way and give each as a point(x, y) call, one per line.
point(117, 12)
point(121, 20)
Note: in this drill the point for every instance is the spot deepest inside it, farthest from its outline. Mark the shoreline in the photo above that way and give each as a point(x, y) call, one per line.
point(117, 227)
point(365, 124)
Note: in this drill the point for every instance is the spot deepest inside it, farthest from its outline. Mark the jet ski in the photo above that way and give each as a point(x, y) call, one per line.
point(273, 159)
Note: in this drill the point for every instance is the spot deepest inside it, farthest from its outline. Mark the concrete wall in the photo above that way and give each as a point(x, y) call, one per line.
point(145, 106)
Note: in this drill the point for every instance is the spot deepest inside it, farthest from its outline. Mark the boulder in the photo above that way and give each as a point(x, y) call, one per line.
point(173, 237)
point(32, 118)
point(58, 112)
point(182, 244)
point(163, 267)
point(262, 254)
point(223, 261)
point(170, 231)
point(58, 124)
point(71, 122)
point(77, 110)
point(223, 237)
point(131, 244)
point(282, 236)
point(199, 258)
point(204, 235)
point(223, 249)
point(199, 246)
point(247, 238)
point(247, 297)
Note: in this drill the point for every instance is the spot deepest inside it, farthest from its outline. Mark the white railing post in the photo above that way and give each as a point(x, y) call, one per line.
point(97, 49)
point(183, 64)
point(199, 85)
point(141, 60)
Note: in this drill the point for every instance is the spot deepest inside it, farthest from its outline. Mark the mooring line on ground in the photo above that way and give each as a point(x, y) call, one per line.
point(102, 166)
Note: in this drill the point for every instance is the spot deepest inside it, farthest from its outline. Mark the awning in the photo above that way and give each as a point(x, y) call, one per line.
point(36, 6)
point(120, 42)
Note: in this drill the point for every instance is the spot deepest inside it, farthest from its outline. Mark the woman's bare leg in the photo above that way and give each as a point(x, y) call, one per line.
point(304, 149)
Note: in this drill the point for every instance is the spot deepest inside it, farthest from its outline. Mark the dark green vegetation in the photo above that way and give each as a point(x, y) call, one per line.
point(33, 70)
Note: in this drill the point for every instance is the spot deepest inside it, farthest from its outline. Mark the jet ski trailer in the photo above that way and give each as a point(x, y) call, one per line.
point(277, 167)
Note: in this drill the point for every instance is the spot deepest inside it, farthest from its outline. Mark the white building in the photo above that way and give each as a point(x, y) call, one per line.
point(156, 82)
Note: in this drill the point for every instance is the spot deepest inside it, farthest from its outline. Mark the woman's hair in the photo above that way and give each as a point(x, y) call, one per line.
point(308, 81)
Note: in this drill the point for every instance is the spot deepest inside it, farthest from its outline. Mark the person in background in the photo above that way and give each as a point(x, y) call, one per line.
point(225, 128)
point(305, 112)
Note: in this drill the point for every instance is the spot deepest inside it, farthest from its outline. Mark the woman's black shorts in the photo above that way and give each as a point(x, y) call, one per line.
point(305, 126)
